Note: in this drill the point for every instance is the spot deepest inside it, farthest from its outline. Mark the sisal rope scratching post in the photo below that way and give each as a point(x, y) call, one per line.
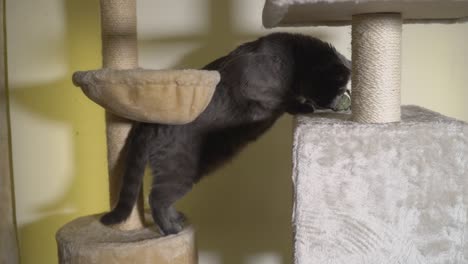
point(130, 93)
point(119, 51)
point(119, 34)
point(376, 60)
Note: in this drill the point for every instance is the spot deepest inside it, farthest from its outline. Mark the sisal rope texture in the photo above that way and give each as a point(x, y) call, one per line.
point(119, 51)
point(376, 62)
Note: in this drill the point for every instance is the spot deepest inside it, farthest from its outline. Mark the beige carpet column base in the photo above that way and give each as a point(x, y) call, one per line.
point(85, 240)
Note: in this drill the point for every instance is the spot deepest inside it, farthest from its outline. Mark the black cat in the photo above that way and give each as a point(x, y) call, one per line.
point(260, 80)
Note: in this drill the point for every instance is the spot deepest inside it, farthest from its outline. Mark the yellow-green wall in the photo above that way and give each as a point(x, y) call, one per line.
point(57, 134)
point(242, 213)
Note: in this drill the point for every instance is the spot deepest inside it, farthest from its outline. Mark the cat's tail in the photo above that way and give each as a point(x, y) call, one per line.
point(137, 155)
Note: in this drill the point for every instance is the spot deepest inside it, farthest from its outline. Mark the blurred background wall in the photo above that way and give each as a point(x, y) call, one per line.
point(242, 213)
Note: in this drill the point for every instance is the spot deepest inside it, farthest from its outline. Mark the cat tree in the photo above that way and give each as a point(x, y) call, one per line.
point(131, 93)
point(387, 184)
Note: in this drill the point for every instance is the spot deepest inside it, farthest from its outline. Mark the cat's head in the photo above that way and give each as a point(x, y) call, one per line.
point(322, 75)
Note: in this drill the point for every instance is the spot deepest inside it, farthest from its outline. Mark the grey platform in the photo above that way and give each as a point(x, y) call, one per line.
point(383, 193)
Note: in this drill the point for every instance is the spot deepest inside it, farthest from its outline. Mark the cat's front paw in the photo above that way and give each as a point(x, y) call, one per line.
point(113, 218)
point(300, 106)
point(169, 220)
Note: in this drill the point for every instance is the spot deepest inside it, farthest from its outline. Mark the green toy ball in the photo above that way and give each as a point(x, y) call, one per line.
point(343, 103)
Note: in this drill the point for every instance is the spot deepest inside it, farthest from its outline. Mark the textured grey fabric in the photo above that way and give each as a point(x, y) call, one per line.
point(381, 193)
point(339, 12)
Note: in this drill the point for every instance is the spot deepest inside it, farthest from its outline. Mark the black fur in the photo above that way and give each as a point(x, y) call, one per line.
point(260, 80)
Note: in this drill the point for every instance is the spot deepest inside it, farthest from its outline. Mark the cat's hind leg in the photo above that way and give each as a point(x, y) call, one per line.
point(174, 166)
point(136, 160)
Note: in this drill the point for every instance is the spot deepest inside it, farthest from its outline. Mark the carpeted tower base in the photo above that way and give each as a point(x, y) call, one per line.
point(86, 241)
point(381, 193)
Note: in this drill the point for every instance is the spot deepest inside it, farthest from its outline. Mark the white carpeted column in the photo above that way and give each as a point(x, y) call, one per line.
point(377, 190)
point(386, 193)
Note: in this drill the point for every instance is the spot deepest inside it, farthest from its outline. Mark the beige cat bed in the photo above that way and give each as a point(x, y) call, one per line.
point(128, 94)
point(158, 96)
point(154, 96)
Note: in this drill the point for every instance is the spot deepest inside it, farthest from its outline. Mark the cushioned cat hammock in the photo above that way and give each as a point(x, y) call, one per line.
point(163, 96)
point(158, 96)
point(377, 193)
point(128, 92)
